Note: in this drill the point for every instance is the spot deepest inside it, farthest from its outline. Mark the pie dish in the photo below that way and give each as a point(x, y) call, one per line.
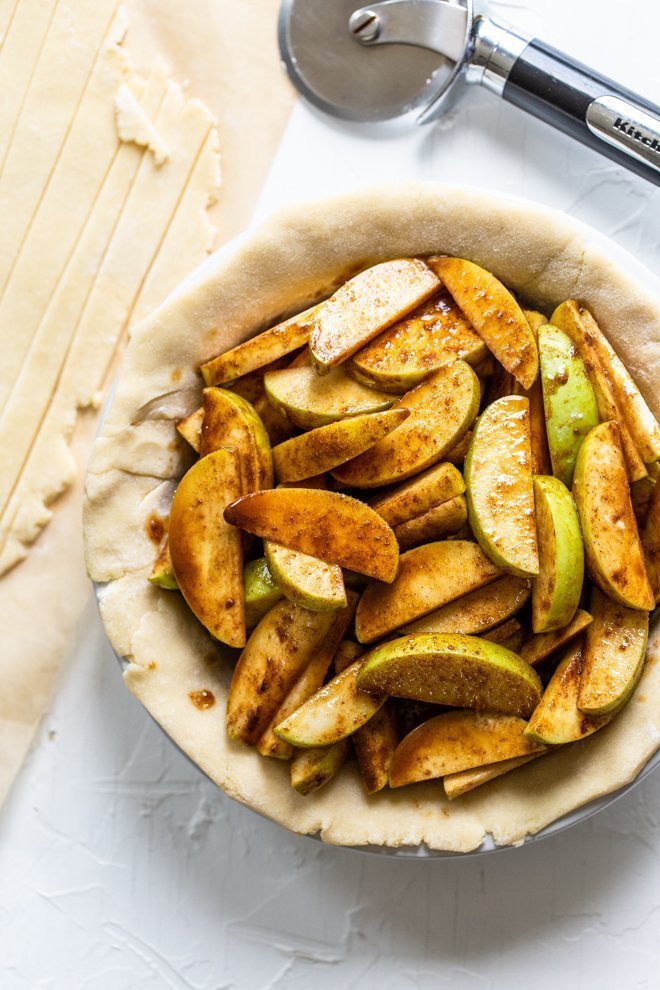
point(176, 670)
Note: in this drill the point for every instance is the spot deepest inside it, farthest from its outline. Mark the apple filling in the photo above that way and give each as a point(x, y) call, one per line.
point(429, 520)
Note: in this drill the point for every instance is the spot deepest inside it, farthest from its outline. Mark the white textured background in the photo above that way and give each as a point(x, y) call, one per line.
point(121, 867)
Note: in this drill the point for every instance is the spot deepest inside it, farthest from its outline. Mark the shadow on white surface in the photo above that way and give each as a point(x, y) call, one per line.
point(123, 867)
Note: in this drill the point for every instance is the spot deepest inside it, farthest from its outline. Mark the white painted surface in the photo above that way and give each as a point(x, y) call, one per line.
point(121, 867)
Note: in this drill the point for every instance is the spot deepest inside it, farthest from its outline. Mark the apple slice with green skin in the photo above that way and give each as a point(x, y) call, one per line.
point(445, 519)
point(569, 400)
point(162, 573)
point(312, 768)
point(429, 576)
point(451, 669)
point(261, 592)
point(613, 548)
point(614, 651)
point(376, 740)
point(557, 720)
point(557, 588)
point(413, 498)
point(569, 319)
point(477, 611)
point(442, 410)
point(345, 531)
point(286, 640)
point(190, 428)
point(500, 493)
point(460, 783)
point(206, 553)
point(309, 401)
point(435, 334)
point(231, 421)
point(333, 713)
point(639, 419)
point(541, 646)
point(306, 580)
point(365, 305)
point(494, 314)
point(651, 541)
point(260, 350)
point(458, 741)
point(327, 447)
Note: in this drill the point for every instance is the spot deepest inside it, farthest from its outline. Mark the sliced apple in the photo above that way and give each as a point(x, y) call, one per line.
point(286, 640)
point(326, 447)
point(458, 741)
point(651, 541)
point(460, 783)
point(307, 684)
point(206, 552)
point(557, 588)
point(162, 573)
point(458, 453)
point(498, 479)
point(541, 646)
point(376, 740)
point(640, 496)
point(479, 610)
point(505, 633)
point(429, 576)
point(614, 651)
point(365, 305)
point(443, 408)
point(231, 421)
point(568, 318)
point(312, 768)
point(535, 320)
point(305, 580)
point(415, 497)
point(190, 428)
point(642, 424)
point(451, 669)
point(260, 350)
point(494, 314)
point(613, 548)
point(328, 525)
point(569, 400)
point(435, 334)
point(557, 719)
point(333, 713)
point(261, 592)
point(309, 400)
point(277, 426)
point(445, 519)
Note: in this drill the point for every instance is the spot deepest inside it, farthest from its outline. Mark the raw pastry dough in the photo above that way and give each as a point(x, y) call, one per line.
point(281, 268)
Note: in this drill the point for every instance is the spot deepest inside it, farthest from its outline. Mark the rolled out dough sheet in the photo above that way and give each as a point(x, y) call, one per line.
point(106, 268)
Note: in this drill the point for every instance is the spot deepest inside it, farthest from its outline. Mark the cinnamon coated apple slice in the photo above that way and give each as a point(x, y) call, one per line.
point(442, 410)
point(458, 741)
point(260, 350)
point(613, 548)
point(451, 669)
point(284, 643)
point(365, 305)
point(500, 494)
point(429, 576)
point(435, 334)
point(206, 552)
point(328, 525)
point(494, 313)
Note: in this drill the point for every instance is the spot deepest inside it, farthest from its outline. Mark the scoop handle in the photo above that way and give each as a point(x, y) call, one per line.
point(589, 107)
